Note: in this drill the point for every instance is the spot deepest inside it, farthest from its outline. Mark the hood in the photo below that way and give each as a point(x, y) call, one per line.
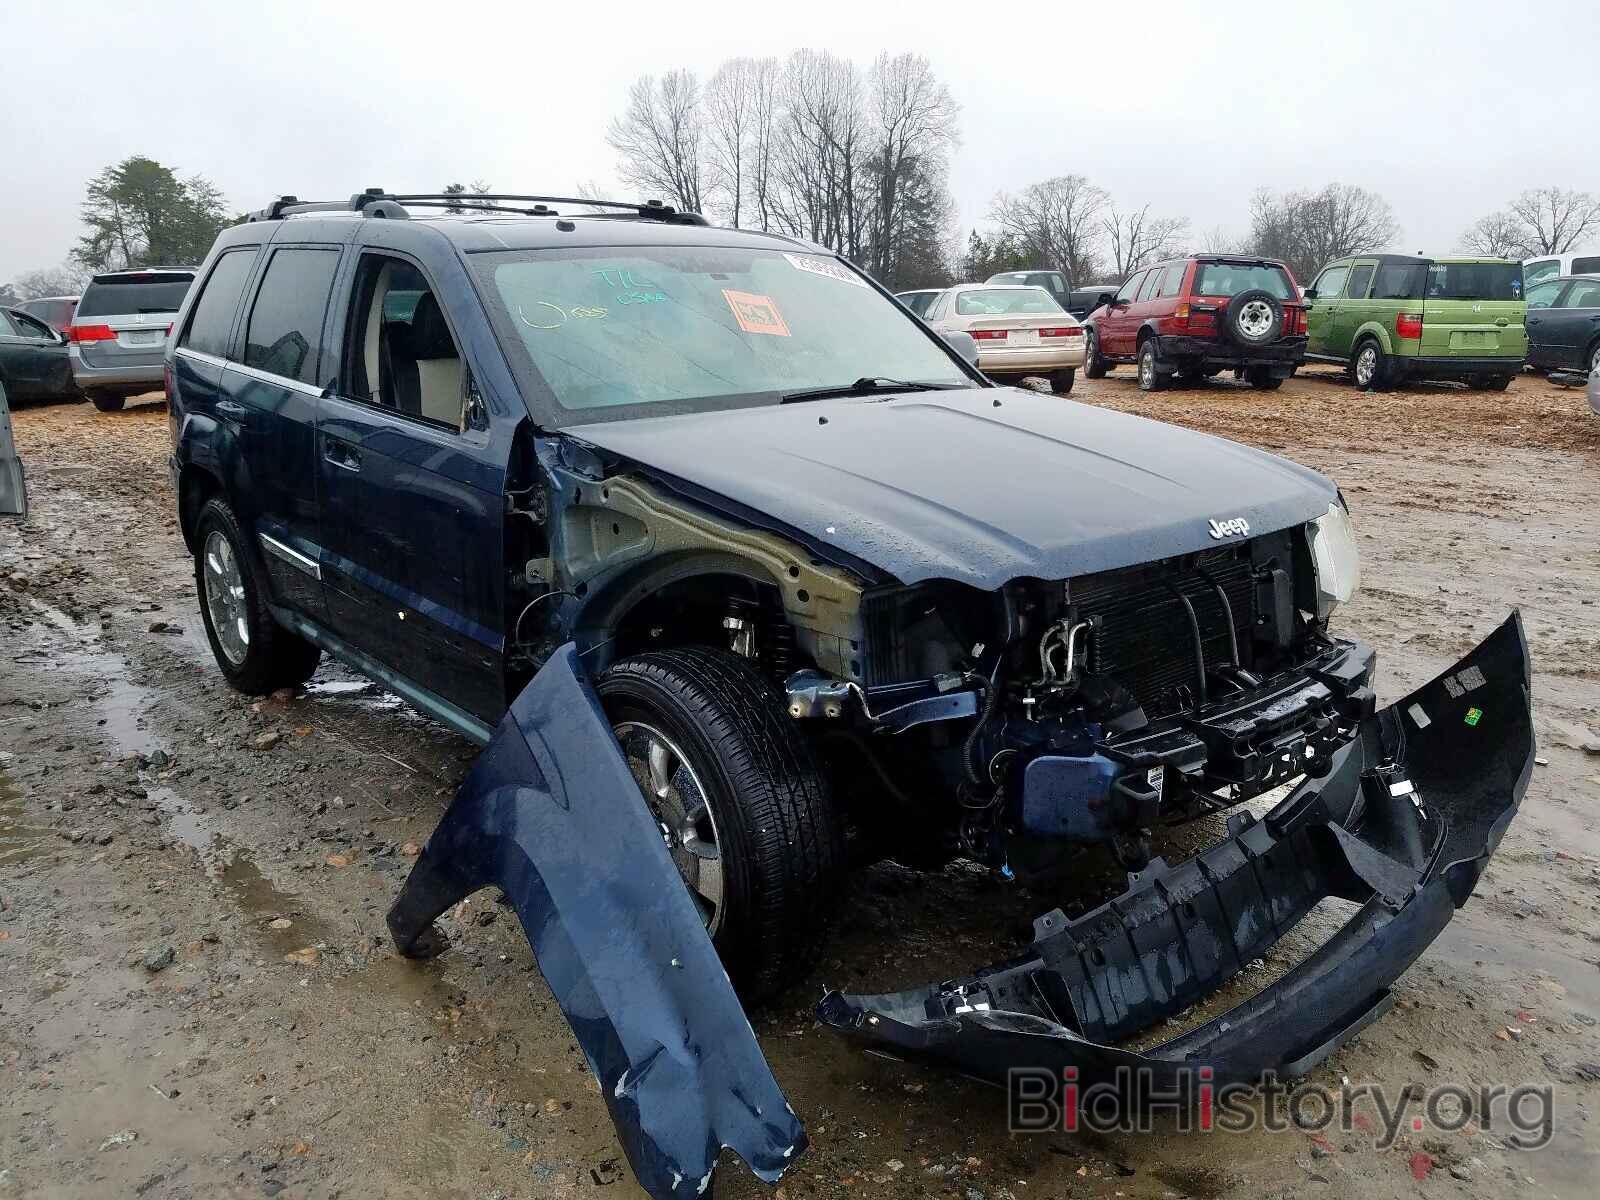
point(980, 485)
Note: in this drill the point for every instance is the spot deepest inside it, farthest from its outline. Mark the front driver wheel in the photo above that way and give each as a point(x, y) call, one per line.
point(1061, 381)
point(741, 804)
point(255, 653)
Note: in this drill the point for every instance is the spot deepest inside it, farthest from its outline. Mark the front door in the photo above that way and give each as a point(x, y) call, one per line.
point(412, 494)
point(33, 360)
point(1320, 309)
point(1354, 310)
point(1117, 322)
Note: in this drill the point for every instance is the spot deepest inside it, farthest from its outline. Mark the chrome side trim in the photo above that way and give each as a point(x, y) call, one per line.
point(199, 356)
point(294, 385)
point(290, 555)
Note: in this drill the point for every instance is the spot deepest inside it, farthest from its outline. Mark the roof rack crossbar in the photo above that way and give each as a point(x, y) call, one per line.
point(375, 202)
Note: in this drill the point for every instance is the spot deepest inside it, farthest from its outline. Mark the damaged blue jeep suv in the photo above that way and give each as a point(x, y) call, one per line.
point(744, 572)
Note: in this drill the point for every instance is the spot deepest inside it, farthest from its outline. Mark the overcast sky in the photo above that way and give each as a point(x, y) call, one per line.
point(1447, 110)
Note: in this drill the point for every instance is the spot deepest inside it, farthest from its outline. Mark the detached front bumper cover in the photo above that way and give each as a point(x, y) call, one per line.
point(1401, 824)
point(551, 813)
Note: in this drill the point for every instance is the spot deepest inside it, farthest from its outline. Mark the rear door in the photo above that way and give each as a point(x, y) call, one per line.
point(1322, 309)
point(412, 489)
point(1573, 330)
point(268, 391)
point(1541, 322)
point(1474, 309)
point(123, 319)
point(1354, 309)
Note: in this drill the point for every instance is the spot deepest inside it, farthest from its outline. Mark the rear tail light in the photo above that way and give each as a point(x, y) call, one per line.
point(1408, 325)
point(93, 333)
point(1066, 331)
point(988, 335)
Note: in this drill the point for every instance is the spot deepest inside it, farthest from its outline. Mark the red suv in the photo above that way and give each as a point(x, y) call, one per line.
point(1194, 317)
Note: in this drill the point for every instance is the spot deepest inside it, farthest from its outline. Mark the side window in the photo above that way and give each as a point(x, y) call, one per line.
point(1170, 282)
point(1585, 266)
point(1582, 293)
point(1131, 288)
point(284, 334)
point(1544, 268)
point(211, 319)
point(1544, 295)
point(1056, 283)
point(30, 327)
point(7, 329)
point(1330, 284)
point(400, 354)
point(1360, 278)
point(1148, 288)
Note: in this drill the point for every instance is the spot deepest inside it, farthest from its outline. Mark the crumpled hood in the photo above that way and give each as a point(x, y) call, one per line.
point(981, 485)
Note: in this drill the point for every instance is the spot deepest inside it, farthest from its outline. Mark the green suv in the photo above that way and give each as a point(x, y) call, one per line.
point(1392, 317)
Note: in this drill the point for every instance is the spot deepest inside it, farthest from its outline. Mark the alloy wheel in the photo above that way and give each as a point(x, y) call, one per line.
point(1366, 364)
point(677, 802)
point(224, 594)
point(1147, 370)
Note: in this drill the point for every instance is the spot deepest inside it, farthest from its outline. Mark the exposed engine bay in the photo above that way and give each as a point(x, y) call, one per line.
point(1090, 709)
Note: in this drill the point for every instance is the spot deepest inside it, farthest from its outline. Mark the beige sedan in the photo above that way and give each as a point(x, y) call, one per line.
point(1020, 331)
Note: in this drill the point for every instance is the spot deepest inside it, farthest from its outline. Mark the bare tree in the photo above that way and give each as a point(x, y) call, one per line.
point(1058, 220)
point(1137, 238)
point(64, 280)
point(1549, 220)
point(1307, 229)
point(658, 139)
point(821, 147)
point(913, 130)
point(1497, 235)
point(733, 111)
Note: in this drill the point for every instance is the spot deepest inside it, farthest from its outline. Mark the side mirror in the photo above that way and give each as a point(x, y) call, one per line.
point(963, 344)
point(1310, 293)
point(1106, 298)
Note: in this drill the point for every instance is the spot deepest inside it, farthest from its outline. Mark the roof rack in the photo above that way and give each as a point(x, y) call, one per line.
point(375, 202)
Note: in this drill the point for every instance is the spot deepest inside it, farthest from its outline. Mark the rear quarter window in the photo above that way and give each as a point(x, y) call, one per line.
point(1586, 266)
point(128, 294)
point(211, 321)
point(284, 335)
point(1401, 281)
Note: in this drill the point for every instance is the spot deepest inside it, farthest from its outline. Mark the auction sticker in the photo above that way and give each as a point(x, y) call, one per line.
point(828, 267)
point(756, 314)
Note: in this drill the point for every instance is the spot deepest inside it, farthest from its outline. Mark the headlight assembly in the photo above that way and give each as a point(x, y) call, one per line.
point(1334, 559)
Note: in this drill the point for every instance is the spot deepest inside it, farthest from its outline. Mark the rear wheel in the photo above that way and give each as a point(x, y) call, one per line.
point(1094, 366)
point(1263, 379)
point(106, 401)
point(1489, 383)
point(255, 653)
point(1150, 377)
point(741, 804)
point(1593, 358)
point(1370, 367)
point(1061, 381)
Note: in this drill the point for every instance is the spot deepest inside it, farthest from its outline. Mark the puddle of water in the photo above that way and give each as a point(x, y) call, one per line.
point(182, 821)
point(340, 687)
point(264, 902)
point(18, 840)
point(122, 707)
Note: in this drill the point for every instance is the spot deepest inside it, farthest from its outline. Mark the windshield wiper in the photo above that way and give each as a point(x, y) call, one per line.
point(868, 385)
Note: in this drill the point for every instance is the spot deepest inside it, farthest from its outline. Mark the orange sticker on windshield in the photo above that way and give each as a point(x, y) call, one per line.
point(755, 314)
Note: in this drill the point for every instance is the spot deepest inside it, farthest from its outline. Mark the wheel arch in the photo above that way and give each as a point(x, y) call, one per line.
point(1377, 332)
point(196, 485)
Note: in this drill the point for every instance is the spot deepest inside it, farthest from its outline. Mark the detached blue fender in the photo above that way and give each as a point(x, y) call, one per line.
point(552, 815)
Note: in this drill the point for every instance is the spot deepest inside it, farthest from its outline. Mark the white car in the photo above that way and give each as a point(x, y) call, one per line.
point(1019, 331)
point(1594, 390)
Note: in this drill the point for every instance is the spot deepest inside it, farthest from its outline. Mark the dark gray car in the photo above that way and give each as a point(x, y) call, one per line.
point(120, 329)
point(33, 358)
point(1564, 323)
point(13, 489)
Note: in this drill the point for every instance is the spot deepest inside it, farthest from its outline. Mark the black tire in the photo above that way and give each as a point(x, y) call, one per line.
point(1061, 381)
point(1094, 366)
point(1374, 374)
point(106, 401)
point(1592, 357)
point(1150, 377)
point(780, 840)
point(272, 656)
point(1262, 379)
point(1253, 318)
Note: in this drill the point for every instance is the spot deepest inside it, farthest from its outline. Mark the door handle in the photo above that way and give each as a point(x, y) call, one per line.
point(232, 408)
point(346, 458)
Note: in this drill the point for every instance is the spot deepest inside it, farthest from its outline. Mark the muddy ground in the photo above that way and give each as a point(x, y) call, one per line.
point(197, 997)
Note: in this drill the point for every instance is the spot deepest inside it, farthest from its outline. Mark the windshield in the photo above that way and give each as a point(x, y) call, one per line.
point(1229, 279)
point(1475, 281)
point(1000, 302)
point(610, 332)
point(127, 294)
